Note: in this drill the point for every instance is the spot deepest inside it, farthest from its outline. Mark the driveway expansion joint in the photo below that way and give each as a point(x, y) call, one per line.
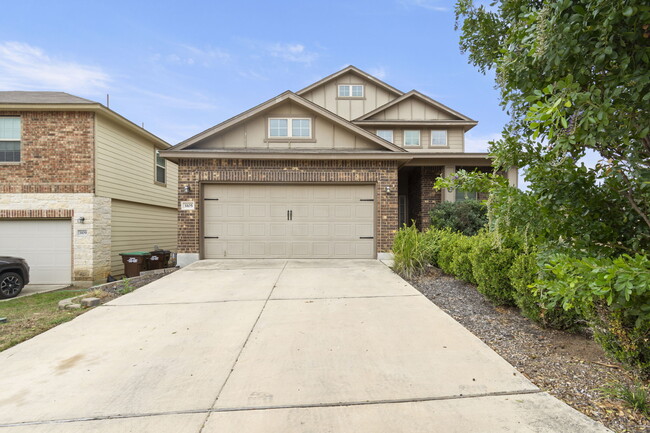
point(278, 407)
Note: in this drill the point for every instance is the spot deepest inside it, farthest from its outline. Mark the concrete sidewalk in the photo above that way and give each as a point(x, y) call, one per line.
point(271, 346)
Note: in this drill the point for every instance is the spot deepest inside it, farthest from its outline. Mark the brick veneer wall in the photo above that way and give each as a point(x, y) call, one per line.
point(193, 172)
point(56, 154)
point(429, 197)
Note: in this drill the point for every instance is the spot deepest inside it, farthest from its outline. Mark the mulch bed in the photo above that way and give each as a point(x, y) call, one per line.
point(569, 366)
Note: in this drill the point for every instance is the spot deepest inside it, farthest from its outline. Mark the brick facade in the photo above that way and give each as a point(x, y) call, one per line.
point(194, 172)
point(56, 154)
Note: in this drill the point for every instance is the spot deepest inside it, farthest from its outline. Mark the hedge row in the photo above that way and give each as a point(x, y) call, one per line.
point(611, 296)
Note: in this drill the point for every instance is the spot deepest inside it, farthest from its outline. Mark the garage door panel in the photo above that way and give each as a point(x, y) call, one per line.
point(252, 221)
point(45, 244)
point(258, 211)
point(258, 229)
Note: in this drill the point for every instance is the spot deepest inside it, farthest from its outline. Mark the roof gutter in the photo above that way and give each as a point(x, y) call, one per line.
point(175, 155)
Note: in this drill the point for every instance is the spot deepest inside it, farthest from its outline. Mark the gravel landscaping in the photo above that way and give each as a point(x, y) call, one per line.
point(569, 366)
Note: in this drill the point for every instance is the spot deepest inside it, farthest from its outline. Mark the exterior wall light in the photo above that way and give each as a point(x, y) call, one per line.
point(186, 189)
point(387, 189)
point(81, 220)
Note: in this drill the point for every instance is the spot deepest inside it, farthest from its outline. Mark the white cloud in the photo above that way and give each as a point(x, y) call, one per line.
point(292, 53)
point(25, 67)
point(378, 72)
point(191, 55)
point(432, 5)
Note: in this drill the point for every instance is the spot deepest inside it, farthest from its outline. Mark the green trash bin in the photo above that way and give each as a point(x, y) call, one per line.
point(134, 262)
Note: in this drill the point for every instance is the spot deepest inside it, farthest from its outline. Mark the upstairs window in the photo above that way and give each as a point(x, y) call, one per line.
point(291, 127)
point(9, 139)
point(411, 138)
point(386, 134)
point(438, 138)
point(161, 168)
point(350, 90)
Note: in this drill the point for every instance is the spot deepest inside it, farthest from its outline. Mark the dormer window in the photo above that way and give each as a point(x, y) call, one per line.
point(350, 90)
point(289, 127)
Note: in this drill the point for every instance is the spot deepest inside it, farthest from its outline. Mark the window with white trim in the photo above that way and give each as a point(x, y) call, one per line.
point(350, 90)
point(386, 134)
point(161, 168)
point(411, 138)
point(9, 139)
point(439, 137)
point(290, 127)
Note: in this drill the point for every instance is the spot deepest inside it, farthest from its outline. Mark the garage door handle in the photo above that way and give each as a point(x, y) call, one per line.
point(366, 237)
point(289, 215)
point(366, 199)
point(211, 199)
point(210, 237)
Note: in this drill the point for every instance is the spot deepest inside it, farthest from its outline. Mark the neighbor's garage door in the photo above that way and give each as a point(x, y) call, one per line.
point(45, 244)
point(288, 221)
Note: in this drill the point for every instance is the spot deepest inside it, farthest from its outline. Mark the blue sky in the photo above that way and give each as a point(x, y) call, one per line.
point(181, 67)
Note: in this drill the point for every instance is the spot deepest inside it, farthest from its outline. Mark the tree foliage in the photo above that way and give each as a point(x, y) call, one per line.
point(574, 77)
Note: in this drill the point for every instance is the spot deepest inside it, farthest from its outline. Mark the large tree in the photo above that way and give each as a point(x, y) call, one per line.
point(574, 76)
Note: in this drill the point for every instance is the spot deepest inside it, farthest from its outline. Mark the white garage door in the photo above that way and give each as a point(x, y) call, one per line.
point(45, 244)
point(288, 221)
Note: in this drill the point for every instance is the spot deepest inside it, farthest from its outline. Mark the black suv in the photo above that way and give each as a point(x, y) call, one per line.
point(14, 274)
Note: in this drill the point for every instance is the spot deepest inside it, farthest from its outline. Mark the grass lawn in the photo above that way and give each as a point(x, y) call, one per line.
point(32, 315)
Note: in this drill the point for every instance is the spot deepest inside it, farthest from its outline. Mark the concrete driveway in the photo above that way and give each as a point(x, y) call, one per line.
point(271, 346)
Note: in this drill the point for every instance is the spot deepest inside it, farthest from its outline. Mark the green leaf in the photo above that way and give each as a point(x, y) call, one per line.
point(628, 11)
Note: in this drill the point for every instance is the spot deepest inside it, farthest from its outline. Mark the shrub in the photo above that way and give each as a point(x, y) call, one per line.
point(411, 250)
point(491, 263)
point(448, 242)
point(466, 217)
point(461, 264)
point(523, 274)
point(613, 295)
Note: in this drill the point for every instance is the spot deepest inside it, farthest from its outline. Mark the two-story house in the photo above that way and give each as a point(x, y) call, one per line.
point(330, 171)
point(78, 185)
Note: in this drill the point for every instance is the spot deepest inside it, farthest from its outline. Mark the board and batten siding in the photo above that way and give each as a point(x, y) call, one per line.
point(139, 227)
point(327, 97)
point(253, 134)
point(412, 109)
point(125, 167)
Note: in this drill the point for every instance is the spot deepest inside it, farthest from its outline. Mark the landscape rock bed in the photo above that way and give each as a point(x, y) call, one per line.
point(571, 367)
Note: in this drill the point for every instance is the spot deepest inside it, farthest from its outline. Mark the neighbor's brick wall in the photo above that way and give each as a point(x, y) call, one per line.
point(56, 154)
point(194, 171)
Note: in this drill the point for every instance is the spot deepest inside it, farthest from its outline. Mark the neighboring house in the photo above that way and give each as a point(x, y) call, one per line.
point(78, 184)
point(330, 171)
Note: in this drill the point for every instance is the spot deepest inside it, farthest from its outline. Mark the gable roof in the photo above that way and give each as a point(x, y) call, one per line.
point(61, 101)
point(286, 96)
point(21, 97)
point(420, 96)
point(356, 71)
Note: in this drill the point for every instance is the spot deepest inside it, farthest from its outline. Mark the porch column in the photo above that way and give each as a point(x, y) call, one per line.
point(446, 195)
point(513, 176)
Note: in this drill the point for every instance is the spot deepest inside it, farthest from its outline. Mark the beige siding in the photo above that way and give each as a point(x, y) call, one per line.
point(253, 134)
point(455, 139)
point(327, 97)
point(412, 109)
point(138, 227)
point(125, 167)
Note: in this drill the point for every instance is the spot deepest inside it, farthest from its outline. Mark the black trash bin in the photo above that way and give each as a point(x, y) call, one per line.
point(134, 262)
point(156, 259)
